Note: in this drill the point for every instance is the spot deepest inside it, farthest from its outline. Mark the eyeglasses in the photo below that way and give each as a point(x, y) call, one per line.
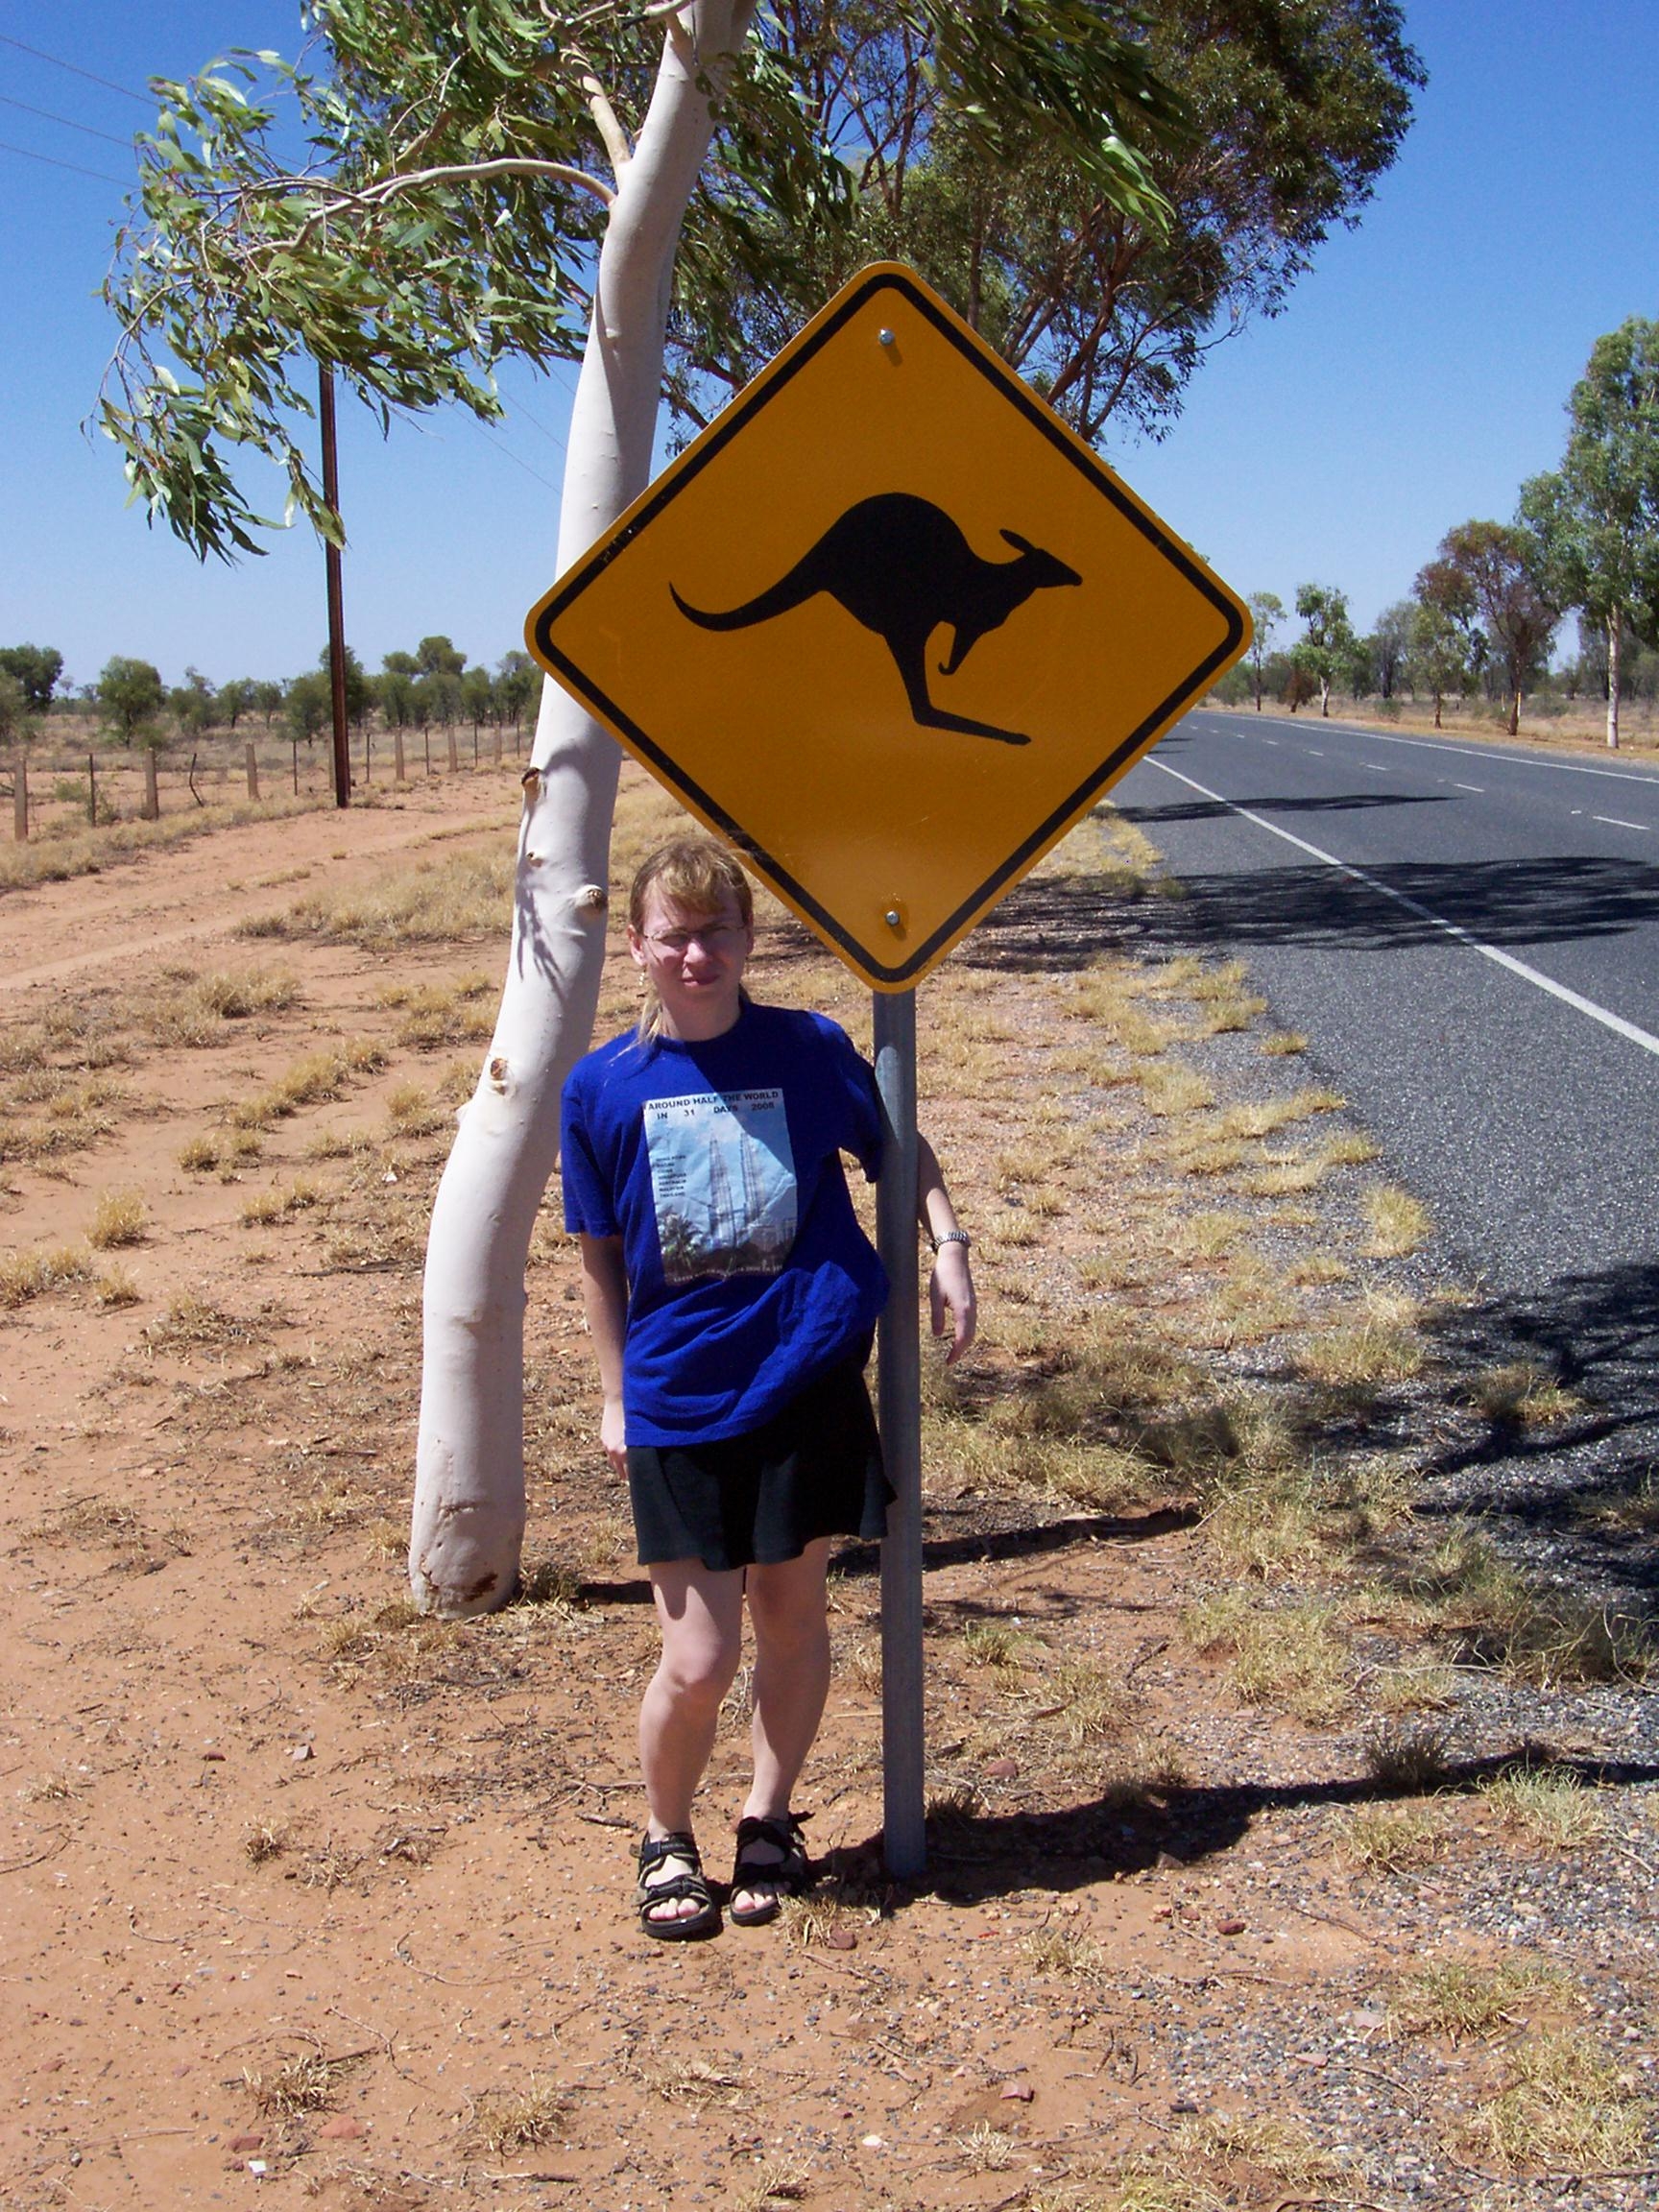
point(711, 935)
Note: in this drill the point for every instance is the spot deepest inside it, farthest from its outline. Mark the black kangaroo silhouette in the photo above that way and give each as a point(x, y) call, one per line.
point(901, 566)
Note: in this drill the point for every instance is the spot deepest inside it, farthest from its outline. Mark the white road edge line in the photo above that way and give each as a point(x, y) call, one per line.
point(1494, 751)
point(1453, 929)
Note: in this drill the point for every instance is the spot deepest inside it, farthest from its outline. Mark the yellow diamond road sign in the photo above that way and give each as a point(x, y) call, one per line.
point(888, 625)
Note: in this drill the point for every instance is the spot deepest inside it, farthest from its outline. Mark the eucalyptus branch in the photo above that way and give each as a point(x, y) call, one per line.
point(502, 165)
point(388, 189)
point(421, 139)
point(606, 122)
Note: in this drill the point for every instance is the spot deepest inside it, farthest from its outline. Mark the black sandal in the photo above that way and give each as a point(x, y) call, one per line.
point(679, 1927)
point(788, 1875)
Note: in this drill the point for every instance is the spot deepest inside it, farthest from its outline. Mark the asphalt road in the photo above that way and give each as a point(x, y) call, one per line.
point(1484, 988)
point(1468, 936)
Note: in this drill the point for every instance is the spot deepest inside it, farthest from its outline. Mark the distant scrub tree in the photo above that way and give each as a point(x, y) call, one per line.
point(393, 690)
point(477, 696)
point(130, 695)
point(1327, 647)
point(359, 693)
point(1298, 684)
point(194, 704)
point(517, 679)
point(307, 706)
point(1502, 568)
point(1597, 519)
point(235, 698)
point(1448, 647)
point(37, 669)
point(1389, 647)
point(14, 715)
point(438, 657)
point(1266, 617)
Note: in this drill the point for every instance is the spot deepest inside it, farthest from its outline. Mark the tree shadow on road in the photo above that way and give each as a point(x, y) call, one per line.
point(1585, 1485)
point(1508, 902)
point(1150, 818)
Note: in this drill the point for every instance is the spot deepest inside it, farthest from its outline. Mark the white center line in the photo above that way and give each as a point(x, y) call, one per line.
point(1457, 786)
point(1316, 752)
point(1453, 929)
point(1374, 767)
point(1612, 821)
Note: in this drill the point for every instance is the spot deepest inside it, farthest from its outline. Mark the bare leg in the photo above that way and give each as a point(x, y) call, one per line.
point(791, 1679)
point(700, 1613)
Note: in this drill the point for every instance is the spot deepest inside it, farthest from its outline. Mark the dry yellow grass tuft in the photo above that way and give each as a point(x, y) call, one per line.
point(1400, 1223)
point(116, 1285)
point(1569, 2106)
point(27, 1275)
point(1548, 1805)
point(1386, 1839)
point(205, 1010)
point(1461, 1997)
point(281, 1203)
point(318, 1076)
point(1289, 1655)
point(466, 895)
point(504, 2121)
point(1520, 1391)
point(117, 1219)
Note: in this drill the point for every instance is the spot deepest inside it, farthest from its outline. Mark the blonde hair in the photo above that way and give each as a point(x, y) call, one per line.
point(698, 874)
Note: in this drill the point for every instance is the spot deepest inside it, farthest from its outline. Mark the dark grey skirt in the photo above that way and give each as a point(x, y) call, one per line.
point(814, 1469)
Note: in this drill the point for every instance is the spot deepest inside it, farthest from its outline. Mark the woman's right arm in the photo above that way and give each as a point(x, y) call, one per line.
point(604, 1302)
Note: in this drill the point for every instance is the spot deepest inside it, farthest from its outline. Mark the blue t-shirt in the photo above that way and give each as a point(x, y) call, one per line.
point(719, 1165)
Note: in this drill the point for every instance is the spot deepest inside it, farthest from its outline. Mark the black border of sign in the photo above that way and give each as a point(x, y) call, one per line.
point(704, 450)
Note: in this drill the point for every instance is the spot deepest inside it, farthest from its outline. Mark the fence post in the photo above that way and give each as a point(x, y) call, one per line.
point(397, 755)
point(496, 744)
point(426, 740)
point(20, 798)
point(91, 791)
point(152, 786)
point(454, 754)
point(253, 771)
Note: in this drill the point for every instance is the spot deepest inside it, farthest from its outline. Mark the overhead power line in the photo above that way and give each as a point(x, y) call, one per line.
point(75, 70)
point(52, 162)
point(68, 121)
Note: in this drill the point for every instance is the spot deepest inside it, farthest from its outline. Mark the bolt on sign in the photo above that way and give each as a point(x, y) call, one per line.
point(888, 625)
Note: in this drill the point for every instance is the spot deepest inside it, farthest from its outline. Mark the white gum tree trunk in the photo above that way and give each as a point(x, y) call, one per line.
point(1615, 623)
point(469, 1516)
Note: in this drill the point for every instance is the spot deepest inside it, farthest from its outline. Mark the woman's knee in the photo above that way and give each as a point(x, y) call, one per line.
point(788, 1612)
point(698, 1667)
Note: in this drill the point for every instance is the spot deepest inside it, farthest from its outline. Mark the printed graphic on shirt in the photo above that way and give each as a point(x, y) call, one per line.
point(723, 1183)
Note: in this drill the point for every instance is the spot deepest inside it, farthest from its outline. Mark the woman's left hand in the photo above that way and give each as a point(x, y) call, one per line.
point(950, 1287)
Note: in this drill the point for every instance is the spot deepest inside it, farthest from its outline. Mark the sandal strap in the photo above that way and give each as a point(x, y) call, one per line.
point(670, 1892)
point(783, 1836)
point(654, 1849)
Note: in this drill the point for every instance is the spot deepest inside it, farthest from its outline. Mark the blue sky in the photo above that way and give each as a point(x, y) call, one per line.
point(1417, 377)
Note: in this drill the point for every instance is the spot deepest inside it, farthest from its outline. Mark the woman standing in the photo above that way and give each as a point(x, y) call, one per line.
point(731, 1298)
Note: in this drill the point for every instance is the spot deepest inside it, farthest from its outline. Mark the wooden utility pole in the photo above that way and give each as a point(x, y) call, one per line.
point(336, 603)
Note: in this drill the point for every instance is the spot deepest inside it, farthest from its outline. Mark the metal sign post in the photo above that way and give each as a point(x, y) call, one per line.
point(900, 1395)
